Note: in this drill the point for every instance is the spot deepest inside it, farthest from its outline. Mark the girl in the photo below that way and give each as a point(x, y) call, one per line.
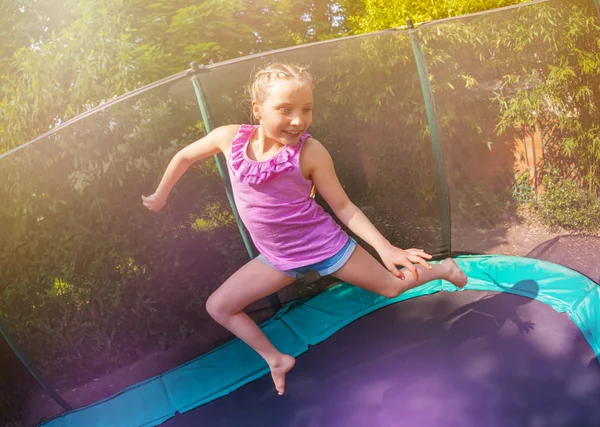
point(273, 167)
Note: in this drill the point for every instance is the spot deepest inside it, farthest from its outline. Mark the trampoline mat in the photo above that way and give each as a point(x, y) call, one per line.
point(578, 252)
point(466, 358)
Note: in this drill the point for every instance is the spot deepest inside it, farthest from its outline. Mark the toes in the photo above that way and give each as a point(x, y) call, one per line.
point(279, 385)
point(280, 372)
point(280, 388)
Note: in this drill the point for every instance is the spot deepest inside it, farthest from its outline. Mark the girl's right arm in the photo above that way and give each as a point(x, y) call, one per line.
point(218, 140)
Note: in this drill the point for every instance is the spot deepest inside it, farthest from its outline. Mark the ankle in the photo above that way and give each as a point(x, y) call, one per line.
point(447, 269)
point(276, 360)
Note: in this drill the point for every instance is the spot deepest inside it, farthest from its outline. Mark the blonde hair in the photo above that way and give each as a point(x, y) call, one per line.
point(264, 78)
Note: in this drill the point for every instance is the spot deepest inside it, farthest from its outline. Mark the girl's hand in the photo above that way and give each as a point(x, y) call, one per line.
point(393, 256)
point(153, 202)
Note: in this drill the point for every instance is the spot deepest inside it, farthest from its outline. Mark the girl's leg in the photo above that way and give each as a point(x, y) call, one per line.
point(364, 271)
point(253, 281)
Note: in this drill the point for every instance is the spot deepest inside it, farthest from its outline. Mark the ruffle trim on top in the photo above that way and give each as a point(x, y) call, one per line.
point(249, 171)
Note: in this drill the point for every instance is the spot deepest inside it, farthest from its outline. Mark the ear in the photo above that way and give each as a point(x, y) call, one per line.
point(256, 110)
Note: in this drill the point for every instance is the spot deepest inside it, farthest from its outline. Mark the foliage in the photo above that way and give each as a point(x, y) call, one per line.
point(383, 14)
point(40, 92)
point(63, 60)
point(497, 77)
point(565, 204)
point(561, 95)
point(91, 279)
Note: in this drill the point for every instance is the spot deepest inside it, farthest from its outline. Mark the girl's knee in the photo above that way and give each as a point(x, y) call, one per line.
point(392, 292)
point(215, 308)
point(392, 288)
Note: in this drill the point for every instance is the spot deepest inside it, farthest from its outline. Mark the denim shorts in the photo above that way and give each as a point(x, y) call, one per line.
point(325, 267)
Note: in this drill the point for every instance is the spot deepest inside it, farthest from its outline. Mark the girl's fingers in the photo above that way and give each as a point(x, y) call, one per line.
point(419, 252)
point(394, 270)
point(419, 260)
point(410, 267)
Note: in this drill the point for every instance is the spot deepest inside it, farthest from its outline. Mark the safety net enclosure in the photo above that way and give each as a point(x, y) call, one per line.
point(449, 136)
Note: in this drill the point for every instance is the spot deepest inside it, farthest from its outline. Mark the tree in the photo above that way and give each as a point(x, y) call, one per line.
point(62, 61)
point(382, 14)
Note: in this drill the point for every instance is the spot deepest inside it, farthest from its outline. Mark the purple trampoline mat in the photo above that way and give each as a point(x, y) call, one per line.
point(449, 359)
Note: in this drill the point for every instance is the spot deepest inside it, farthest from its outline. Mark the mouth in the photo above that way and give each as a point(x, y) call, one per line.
point(293, 133)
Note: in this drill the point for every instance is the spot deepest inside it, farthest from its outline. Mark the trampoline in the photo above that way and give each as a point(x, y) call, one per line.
point(516, 347)
point(449, 359)
point(98, 291)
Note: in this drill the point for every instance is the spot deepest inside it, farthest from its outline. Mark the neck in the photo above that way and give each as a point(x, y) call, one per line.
point(264, 144)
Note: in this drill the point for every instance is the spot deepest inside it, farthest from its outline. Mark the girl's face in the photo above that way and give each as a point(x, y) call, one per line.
point(286, 113)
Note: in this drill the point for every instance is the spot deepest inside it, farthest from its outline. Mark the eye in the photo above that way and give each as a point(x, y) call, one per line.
point(285, 110)
point(308, 109)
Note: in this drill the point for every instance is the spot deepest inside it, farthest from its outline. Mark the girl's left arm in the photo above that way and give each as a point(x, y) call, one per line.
point(323, 176)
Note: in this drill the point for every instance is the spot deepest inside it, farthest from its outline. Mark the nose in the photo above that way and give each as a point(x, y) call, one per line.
point(296, 120)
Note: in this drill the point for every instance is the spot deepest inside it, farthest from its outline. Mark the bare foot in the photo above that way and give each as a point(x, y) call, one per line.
point(279, 370)
point(455, 275)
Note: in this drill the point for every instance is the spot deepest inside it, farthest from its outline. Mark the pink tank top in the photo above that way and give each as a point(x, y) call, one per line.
point(273, 199)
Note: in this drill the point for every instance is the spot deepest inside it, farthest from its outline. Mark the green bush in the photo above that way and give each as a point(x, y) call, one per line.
point(90, 280)
point(565, 204)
